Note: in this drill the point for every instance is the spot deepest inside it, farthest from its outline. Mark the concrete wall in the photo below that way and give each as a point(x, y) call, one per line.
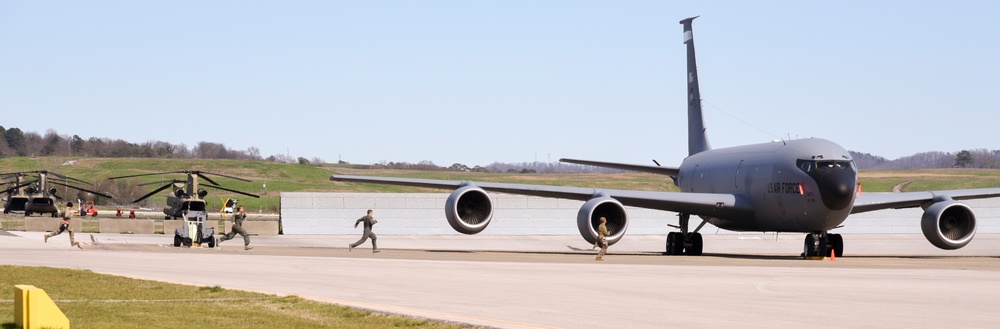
point(423, 213)
point(256, 227)
point(133, 226)
point(47, 224)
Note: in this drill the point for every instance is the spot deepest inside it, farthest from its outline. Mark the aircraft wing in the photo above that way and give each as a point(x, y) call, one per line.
point(878, 201)
point(708, 204)
point(672, 172)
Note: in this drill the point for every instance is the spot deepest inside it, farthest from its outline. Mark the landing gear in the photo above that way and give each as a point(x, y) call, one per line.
point(819, 244)
point(684, 242)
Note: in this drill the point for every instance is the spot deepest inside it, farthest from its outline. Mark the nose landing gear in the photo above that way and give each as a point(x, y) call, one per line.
point(819, 244)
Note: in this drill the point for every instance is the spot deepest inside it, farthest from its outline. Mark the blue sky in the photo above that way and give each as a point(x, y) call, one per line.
point(475, 82)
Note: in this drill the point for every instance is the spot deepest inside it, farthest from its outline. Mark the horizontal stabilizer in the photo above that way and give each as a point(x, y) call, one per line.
point(672, 172)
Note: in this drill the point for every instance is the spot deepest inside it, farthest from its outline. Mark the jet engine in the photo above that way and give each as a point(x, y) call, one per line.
point(590, 215)
point(948, 224)
point(469, 209)
point(202, 193)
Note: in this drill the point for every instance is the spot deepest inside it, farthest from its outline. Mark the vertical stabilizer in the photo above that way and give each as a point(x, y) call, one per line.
point(697, 138)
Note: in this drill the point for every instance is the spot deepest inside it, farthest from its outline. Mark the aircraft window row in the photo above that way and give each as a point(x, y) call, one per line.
point(810, 165)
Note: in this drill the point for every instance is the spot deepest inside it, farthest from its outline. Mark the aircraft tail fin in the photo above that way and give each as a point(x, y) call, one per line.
point(697, 137)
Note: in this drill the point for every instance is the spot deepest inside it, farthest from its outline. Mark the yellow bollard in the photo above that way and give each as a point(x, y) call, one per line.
point(34, 309)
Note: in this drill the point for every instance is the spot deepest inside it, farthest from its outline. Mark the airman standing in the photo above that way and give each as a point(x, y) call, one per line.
point(369, 222)
point(602, 235)
point(238, 228)
point(64, 226)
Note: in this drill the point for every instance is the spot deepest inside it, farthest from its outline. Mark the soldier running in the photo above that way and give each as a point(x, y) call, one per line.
point(238, 228)
point(64, 226)
point(369, 222)
point(602, 234)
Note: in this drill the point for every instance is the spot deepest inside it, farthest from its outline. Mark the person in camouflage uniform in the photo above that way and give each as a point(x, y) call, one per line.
point(64, 226)
point(369, 222)
point(602, 235)
point(238, 219)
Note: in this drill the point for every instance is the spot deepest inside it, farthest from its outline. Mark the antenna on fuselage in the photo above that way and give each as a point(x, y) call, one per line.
point(697, 137)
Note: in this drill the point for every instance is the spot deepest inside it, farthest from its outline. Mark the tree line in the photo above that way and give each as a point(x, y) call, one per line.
point(978, 158)
point(16, 142)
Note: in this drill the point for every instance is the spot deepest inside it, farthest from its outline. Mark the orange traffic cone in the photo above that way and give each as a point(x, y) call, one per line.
point(833, 255)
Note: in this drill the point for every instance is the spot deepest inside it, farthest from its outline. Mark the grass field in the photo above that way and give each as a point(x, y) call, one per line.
point(281, 177)
point(92, 300)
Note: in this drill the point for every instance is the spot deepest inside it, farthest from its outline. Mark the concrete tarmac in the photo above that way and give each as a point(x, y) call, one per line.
point(745, 281)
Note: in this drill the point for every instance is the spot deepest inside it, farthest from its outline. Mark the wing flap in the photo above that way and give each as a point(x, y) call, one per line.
point(669, 171)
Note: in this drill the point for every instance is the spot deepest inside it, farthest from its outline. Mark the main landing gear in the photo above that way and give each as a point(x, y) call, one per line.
point(819, 244)
point(684, 242)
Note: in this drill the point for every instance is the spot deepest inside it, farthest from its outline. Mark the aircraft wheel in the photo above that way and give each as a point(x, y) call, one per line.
point(813, 249)
point(696, 245)
point(177, 240)
point(837, 243)
point(211, 241)
point(669, 248)
point(27, 213)
point(675, 243)
point(809, 246)
point(187, 242)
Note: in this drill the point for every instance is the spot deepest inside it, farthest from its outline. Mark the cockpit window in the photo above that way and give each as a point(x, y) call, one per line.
point(811, 165)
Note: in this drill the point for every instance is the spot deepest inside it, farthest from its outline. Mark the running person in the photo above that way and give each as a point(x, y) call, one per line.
point(64, 226)
point(369, 222)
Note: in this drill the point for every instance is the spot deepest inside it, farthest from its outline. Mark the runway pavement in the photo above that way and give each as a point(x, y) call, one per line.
point(753, 280)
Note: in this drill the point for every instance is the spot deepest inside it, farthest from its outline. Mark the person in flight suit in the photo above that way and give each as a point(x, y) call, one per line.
point(602, 235)
point(369, 222)
point(238, 228)
point(64, 226)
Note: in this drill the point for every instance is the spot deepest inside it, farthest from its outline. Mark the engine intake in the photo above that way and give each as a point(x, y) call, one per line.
point(469, 209)
point(590, 215)
point(948, 224)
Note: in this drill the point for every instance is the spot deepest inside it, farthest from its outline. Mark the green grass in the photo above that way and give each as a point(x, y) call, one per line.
point(92, 300)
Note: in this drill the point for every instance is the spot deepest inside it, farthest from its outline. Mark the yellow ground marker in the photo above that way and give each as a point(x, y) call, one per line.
point(34, 309)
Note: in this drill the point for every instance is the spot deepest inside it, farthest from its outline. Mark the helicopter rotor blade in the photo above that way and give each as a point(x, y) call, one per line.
point(226, 176)
point(162, 181)
point(69, 178)
point(232, 190)
point(206, 178)
point(83, 189)
point(164, 187)
point(149, 174)
point(17, 187)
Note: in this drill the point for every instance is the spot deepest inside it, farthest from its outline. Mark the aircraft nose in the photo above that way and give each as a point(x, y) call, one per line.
point(837, 189)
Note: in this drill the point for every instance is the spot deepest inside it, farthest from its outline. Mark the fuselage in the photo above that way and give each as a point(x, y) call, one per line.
point(38, 204)
point(176, 207)
point(804, 185)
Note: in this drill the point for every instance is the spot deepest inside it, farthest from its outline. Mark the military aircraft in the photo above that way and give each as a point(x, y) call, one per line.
point(35, 196)
point(186, 196)
point(805, 185)
point(16, 197)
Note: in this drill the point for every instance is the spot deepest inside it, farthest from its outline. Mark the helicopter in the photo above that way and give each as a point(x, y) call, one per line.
point(187, 195)
point(35, 196)
point(16, 197)
point(187, 201)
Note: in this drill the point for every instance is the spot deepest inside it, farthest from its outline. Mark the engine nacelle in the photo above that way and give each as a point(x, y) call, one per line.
point(469, 209)
point(948, 224)
point(202, 193)
point(590, 215)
